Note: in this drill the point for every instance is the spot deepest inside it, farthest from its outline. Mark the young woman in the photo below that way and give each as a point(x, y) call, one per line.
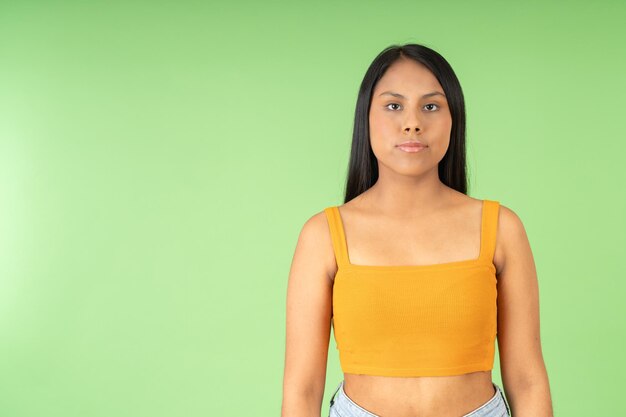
point(416, 277)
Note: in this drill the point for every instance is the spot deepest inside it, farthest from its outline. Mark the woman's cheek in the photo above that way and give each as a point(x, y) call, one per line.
point(382, 146)
point(439, 149)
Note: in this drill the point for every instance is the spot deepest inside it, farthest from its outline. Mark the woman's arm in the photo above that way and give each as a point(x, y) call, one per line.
point(523, 370)
point(309, 312)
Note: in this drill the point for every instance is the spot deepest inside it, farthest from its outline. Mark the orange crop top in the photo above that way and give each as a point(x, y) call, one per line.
point(416, 320)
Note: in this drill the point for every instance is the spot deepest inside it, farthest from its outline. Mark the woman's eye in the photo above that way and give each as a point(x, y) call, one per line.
point(396, 104)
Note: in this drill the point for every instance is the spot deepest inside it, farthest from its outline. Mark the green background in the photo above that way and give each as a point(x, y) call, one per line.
point(158, 159)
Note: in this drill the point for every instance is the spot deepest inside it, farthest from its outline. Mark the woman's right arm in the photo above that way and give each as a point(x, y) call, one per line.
point(309, 313)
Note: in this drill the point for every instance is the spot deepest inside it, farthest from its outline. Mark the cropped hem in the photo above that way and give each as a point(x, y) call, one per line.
point(441, 371)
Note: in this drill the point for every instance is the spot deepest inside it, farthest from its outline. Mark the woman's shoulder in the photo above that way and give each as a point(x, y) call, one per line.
point(510, 224)
point(510, 234)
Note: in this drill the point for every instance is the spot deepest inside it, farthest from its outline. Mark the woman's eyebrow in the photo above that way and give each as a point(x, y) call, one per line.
point(434, 93)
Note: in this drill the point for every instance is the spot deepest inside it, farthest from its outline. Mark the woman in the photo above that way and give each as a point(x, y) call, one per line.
point(415, 276)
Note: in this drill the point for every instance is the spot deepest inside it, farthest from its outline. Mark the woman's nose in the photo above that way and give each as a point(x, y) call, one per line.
point(412, 122)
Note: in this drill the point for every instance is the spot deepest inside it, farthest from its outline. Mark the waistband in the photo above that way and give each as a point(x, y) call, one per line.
point(496, 401)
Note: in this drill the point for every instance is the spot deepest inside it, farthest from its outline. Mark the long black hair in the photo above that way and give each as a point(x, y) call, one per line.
point(363, 166)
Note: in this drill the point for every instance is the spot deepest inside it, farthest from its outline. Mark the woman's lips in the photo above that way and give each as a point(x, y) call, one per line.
point(413, 147)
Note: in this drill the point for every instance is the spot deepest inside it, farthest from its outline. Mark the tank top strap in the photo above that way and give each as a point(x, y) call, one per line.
point(489, 227)
point(337, 235)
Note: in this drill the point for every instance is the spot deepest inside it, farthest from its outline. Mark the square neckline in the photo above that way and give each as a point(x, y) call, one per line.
point(474, 262)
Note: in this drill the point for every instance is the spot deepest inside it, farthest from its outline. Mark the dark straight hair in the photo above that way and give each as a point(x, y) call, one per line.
point(363, 166)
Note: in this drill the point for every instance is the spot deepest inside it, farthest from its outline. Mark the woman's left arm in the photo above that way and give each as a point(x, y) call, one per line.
point(524, 375)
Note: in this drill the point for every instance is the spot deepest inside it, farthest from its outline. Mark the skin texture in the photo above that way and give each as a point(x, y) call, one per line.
point(386, 225)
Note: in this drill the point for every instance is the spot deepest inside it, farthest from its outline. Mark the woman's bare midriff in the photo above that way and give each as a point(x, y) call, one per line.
point(440, 396)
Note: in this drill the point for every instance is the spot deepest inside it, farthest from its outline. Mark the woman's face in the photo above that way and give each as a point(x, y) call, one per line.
point(403, 109)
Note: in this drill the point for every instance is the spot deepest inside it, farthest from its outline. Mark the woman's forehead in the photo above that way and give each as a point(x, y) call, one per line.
point(408, 77)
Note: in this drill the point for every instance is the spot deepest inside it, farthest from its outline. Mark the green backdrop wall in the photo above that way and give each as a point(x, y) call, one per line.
point(158, 159)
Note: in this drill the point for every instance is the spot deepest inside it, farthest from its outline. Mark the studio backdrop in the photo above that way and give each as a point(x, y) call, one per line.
point(158, 160)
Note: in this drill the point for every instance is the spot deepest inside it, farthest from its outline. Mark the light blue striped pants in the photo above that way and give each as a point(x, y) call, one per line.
point(342, 406)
